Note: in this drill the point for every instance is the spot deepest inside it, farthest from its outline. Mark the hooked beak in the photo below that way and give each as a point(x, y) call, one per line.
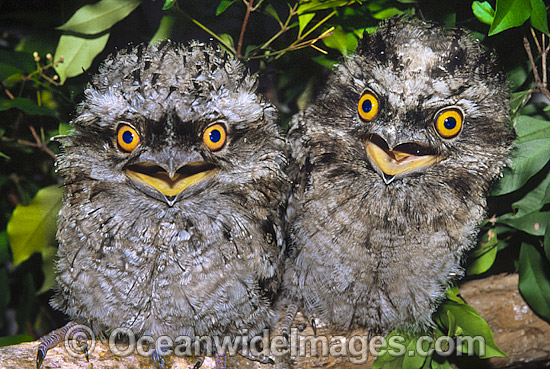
point(170, 183)
point(399, 161)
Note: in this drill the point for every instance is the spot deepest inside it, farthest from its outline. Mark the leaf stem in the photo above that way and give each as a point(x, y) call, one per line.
point(209, 31)
point(284, 27)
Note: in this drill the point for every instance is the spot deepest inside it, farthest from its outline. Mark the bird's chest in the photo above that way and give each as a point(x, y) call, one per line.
point(147, 274)
point(382, 253)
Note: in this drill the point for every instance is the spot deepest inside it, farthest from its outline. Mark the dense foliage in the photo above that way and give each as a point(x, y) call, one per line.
point(47, 46)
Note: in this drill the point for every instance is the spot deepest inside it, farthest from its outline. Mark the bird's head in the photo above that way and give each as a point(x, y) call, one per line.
point(419, 101)
point(171, 122)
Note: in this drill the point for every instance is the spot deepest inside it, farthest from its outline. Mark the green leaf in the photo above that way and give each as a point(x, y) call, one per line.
point(20, 60)
point(165, 29)
point(270, 10)
point(529, 128)
point(26, 105)
point(484, 255)
point(6, 296)
point(387, 13)
point(342, 41)
point(77, 54)
point(64, 128)
point(533, 222)
point(303, 21)
point(7, 71)
point(547, 240)
point(325, 62)
point(528, 158)
point(388, 357)
point(509, 14)
point(483, 11)
point(42, 43)
point(4, 247)
point(316, 5)
point(413, 359)
point(168, 4)
point(534, 282)
point(519, 99)
point(453, 330)
point(453, 294)
point(224, 4)
point(14, 340)
point(539, 18)
point(228, 40)
point(48, 268)
point(472, 325)
point(99, 17)
point(528, 215)
point(32, 227)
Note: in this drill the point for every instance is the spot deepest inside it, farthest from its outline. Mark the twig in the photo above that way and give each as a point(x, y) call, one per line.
point(536, 40)
point(209, 31)
point(327, 33)
point(38, 144)
point(301, 45)
point(243, 27)
point(6, 91)
point(284, 27)
point(540, 85)
point(544, 55)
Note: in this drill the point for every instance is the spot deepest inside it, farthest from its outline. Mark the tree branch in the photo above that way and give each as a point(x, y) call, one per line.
point(243, 27)
point(518, 332)
point(541, 84)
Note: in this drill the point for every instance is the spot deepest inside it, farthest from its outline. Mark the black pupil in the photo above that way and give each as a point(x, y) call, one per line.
point(215, 135)
point(367, 106)
point(450, 123)
point(128, 137)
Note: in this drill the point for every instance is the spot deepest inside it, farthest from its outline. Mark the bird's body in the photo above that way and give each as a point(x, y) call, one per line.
point(171, 219)
point(389, 190)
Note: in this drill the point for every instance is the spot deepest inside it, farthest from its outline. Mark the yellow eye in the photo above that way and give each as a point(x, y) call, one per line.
point(127, 138)
point(368, 106)
point(448, 122)
point(214, 137)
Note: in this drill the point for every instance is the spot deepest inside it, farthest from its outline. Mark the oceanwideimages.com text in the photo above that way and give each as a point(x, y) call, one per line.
point(123, 342)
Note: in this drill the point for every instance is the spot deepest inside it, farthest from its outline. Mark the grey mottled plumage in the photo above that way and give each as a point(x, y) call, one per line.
point(135, 253)
point(389, 189)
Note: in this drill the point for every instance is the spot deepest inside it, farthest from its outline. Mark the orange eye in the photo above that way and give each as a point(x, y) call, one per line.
point(368, 106)
point(214, 137)
point(127, 138)
point(448, 122)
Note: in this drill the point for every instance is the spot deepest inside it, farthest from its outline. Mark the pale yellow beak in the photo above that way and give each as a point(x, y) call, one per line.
point(393, 162)
point(170, 185)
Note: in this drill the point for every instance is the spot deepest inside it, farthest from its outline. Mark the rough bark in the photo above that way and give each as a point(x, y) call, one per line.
point(518, 332)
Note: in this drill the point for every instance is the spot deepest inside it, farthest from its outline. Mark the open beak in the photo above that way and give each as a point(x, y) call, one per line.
point(170, 184)
point(403, 159)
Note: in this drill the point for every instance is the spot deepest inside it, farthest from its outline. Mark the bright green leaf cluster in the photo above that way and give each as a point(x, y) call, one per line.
point(534, 277)
point(460, 331)
point(32, 227)
point(484, 255)
point(86, 34)
point(298, 25)
point(512, 13)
